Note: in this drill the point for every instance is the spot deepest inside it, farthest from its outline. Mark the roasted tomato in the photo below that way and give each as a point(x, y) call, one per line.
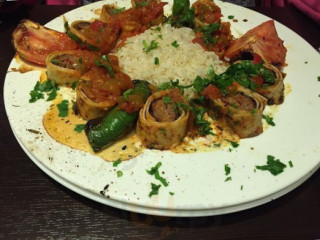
point(206, 12)
point(34, 42)
point(139, 18)
point(214, 37)
point(262, 40)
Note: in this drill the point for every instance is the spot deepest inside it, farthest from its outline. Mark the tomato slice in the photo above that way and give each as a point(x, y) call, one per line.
point(34, 42)
point(262, 40)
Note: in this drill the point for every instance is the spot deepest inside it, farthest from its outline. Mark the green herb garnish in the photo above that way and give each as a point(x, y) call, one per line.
point(268, 119)
point(154, 189)
point(156, 61)
point(74, 85)
point(104, 62)
point(117, 10)
point(234, 144)
point(230, 17)
point(227, 169)
point(274, 166)
point(79, 127)
point(127, 93)
point(175, 44)
point(63, 108)
point(290, 164)
point(166, 100)
point(116, 163)
point(149, 47)
point(182, 14)
point(47, 87)
point(228, 179)
point(155, 171)
point(119, 173)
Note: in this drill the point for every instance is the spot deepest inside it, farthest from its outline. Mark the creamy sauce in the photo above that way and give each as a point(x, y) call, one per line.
point(62, 130)
point(221, 139)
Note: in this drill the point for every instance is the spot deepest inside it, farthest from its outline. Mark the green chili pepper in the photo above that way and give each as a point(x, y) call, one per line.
point(102, 132)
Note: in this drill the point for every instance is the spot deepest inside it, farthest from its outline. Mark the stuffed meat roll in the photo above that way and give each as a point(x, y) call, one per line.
point(241, 109)
point(162, 123)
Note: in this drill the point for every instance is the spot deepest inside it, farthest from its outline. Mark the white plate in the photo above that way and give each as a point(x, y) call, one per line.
point(198, 179)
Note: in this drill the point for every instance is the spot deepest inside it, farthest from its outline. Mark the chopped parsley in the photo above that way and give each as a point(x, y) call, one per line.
point(149, 47)
point(268, 119)
point(230, 17)
point(166, 100)
point(156, 61)
point(228, 179)
point(318, 78)
point(127, 93)
point(116, 163)
point(175, 44)
point(63, 108)
point(208, 32)
point(142, 4)
point(227, 169)
point(119, 173)
point(155, 171)
point(154, 189)
point(182, 14)
point(173, 84)
point(290, 164)
point(79, 127)
point(156, 29)
point(234, 144)
point(74, 85)
point(171, 193)
point(241, 188)
point(117, 10)
point(274, 166)
point(104, 61)
point(38, 90)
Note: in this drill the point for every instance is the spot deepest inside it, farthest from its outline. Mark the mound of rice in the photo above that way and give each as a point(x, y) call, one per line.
point(184, 61)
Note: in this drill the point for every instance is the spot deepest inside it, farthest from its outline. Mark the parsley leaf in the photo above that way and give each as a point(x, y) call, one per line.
point(175, 44)
point(154, 189)
point(149, 47)
point(119, 173)
point(269, 120)
point(79, 127)
point(63, 108)
point(116, 163)
point(274, 166)
point(39, 88)
point(104, 62)
point(227, 169)
point(155, 171)
point(156, 61)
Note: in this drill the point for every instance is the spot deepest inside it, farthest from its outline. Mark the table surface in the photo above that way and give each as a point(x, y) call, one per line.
point(32, 205)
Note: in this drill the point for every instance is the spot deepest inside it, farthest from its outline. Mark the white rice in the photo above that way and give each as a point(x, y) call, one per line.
point(184, 62)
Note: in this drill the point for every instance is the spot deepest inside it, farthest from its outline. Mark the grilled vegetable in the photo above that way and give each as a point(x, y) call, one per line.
point(262, 40)
point(102, 132)
point(33, 42)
